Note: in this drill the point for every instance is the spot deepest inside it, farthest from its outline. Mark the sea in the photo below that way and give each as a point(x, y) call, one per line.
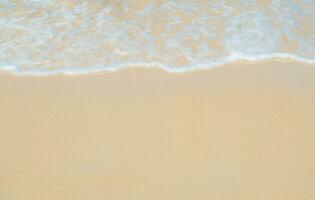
point(45, 37)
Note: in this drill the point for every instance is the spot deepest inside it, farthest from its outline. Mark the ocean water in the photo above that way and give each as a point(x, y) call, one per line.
point(43, 37)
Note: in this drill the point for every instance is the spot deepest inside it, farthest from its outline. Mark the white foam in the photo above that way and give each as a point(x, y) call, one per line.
point(79, 70)
point(51, 37)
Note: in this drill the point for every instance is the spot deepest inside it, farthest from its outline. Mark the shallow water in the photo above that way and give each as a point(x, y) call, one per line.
point(79, 36)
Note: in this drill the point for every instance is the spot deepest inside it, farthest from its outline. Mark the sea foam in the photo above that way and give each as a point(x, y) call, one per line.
point(40, 37)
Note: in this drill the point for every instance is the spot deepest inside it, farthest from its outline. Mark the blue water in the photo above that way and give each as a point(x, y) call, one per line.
point(43, 37)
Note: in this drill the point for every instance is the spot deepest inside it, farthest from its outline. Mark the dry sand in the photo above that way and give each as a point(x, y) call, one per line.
point(240, 132)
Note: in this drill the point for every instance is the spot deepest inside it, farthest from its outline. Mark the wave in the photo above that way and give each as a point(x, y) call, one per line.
point(89, 70)
point(77, 37)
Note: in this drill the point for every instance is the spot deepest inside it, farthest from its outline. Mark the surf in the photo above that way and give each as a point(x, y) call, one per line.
point(74, 37)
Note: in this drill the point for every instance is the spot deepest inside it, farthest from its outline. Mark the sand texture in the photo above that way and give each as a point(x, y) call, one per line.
point(239, 132)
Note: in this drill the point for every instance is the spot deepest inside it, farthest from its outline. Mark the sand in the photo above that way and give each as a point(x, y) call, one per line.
point(240, 132)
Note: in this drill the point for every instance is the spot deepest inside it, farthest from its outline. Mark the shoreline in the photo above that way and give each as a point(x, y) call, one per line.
point(159, 66)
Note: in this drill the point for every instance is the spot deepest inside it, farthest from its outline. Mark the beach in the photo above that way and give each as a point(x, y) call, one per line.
point(241, 131)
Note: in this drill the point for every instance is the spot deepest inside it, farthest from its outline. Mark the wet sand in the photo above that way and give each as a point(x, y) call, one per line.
point(243, 131)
